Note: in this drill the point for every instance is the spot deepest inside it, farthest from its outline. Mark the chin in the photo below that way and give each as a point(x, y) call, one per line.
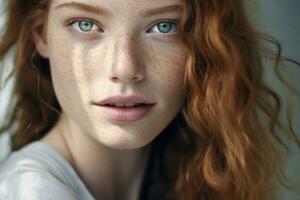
point(126, 142)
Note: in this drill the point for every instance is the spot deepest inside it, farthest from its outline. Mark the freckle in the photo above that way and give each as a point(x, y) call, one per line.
point(155, 62)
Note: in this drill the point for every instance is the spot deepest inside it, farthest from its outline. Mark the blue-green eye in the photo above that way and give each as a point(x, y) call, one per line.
point(85, 26)
point(165, 27)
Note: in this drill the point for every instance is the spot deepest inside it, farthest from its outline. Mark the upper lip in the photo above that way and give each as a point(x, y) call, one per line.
point(119, 99)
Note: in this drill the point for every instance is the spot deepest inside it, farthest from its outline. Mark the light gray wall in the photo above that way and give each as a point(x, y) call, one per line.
point(280, 18)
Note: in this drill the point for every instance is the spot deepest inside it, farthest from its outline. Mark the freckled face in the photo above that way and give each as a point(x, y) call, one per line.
point(119, 52)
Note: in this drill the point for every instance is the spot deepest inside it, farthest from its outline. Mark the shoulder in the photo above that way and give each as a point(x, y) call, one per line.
point(33, 174)
point(33, 185)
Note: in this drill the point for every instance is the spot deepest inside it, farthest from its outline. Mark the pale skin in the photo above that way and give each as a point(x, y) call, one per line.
point(123, 53)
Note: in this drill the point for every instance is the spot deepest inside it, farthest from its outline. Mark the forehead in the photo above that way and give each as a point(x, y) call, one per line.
point(111, 7)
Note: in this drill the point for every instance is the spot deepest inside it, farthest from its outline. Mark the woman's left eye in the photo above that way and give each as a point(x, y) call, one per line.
point(165, 27)
point(85, 26)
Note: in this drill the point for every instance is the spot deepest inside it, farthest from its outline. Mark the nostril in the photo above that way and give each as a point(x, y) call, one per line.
point(135, 78)
point(114, 78)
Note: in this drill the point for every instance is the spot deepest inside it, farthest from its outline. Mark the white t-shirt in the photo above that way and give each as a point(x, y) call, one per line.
point(39, 172)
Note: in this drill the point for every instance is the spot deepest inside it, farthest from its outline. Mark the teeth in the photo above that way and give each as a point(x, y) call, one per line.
point(129, 105)
point(125, 105)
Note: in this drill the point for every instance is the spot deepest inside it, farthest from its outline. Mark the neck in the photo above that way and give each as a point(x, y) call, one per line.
point(107, 173)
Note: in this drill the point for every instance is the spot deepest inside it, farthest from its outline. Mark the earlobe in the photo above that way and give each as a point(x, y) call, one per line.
point(40, 41)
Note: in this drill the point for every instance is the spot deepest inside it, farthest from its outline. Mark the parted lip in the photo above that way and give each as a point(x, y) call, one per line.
point(120, 99)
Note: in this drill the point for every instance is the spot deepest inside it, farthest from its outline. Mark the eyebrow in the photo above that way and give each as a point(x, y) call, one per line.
point(86, 7)
point(160, 10)
point(97, 9)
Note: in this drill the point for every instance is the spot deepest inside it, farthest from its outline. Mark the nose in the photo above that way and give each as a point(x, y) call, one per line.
point(125, 66)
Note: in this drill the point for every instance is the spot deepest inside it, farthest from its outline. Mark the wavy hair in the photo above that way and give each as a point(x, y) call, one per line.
point(224, 144)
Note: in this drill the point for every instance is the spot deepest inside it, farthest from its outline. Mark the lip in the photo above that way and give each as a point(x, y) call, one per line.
point(125, 114)
point(119, 99)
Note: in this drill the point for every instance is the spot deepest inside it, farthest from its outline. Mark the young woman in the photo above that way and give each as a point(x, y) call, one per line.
point(139, 99)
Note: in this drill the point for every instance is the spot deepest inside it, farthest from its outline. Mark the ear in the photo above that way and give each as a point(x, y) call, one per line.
point(40, 40)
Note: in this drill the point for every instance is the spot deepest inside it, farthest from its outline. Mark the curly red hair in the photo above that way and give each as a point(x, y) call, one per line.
point(218, 146)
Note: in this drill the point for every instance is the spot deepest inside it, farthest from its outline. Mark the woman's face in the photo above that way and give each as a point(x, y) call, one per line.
point(102, 48)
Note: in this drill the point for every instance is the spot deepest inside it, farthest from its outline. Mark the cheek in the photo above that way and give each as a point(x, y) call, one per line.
point(68, 79)
point(67, 61)
point(170, 67)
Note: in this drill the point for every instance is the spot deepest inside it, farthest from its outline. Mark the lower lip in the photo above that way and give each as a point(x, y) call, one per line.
point(126, 114)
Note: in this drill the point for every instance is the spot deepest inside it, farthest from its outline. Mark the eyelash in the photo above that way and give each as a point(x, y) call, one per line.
point(94, 23)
